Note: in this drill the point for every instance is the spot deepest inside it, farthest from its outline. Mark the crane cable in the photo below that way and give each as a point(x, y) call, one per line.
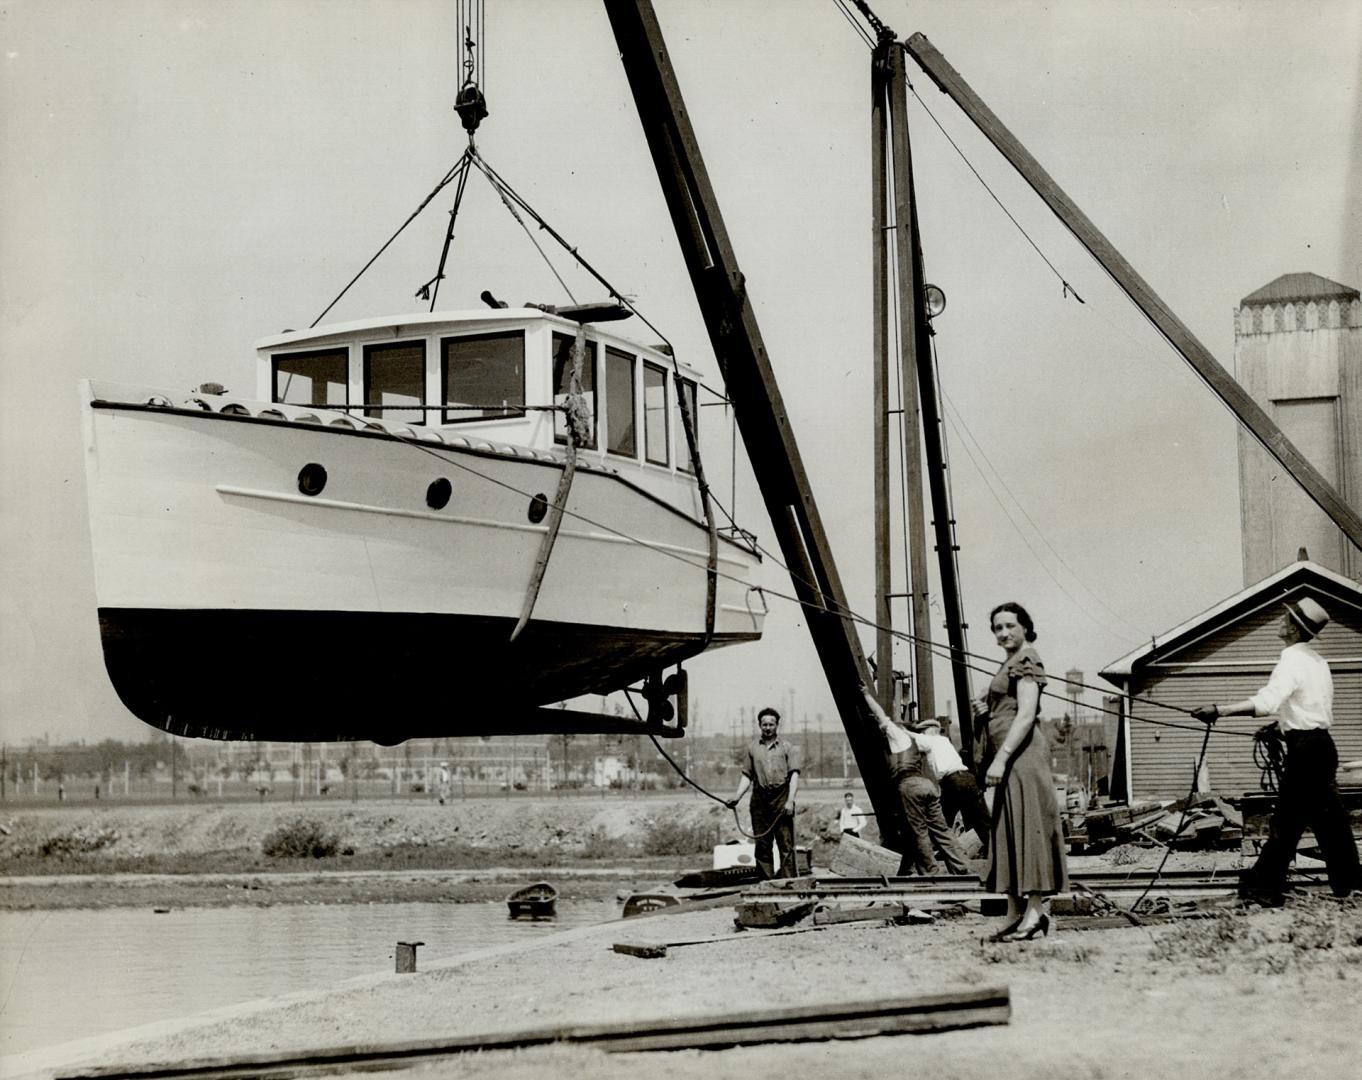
point(731, 805)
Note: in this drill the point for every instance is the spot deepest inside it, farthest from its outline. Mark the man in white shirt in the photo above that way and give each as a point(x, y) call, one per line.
point(928, 833)
point(1300, 693)
point(960, 792)
point(851, 817)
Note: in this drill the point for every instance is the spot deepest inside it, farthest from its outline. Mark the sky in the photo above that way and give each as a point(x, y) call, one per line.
point(180, 179)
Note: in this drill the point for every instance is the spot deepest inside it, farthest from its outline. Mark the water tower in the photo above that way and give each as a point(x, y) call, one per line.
point(1298, 353)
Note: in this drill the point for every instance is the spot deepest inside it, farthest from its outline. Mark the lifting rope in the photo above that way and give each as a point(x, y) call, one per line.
point(471, 106)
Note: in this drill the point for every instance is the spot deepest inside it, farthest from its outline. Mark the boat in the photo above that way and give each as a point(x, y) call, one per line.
point(537, 901)
point(365, 547)
point(640, 903)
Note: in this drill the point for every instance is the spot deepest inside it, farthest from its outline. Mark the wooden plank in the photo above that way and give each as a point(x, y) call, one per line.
point(840, 1020)
point(831, 916)
point(1221, 382)
point(657, 950)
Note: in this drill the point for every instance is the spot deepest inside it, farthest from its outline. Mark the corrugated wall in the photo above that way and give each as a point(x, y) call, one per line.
point(1230, 665)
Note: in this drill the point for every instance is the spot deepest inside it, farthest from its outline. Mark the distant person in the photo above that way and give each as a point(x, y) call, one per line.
point(960, 792)
point(443, 782)
point(851, 817)
point(1028, 853)
point(771, 770)
point(61, 791)
point(1300, 692)
point(928, 833)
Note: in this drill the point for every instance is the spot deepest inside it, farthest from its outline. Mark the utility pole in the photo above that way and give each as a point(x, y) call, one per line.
point(910, 305)
point(917, 326)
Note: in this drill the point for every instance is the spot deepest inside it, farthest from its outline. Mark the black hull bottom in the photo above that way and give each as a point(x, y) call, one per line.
point(327, 676)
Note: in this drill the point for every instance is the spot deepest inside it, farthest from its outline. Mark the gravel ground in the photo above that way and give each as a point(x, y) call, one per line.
point(1269, 993)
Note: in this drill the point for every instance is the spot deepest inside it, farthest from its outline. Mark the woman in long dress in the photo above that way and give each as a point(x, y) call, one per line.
point(1028, 861)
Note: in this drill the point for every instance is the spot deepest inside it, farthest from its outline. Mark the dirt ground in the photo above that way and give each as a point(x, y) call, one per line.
point(1237, 995)
point(1269, 994)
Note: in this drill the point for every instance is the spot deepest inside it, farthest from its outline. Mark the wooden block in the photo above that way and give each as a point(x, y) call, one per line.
point(1071, 905)
point(647, 951)
point(860, 858)
point(829, 916)
point(1232, 817)
point(761, 914)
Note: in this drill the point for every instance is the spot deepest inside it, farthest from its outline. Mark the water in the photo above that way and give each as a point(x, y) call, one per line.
point(70, 974)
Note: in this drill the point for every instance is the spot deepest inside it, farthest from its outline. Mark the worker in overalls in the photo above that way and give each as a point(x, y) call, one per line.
point(928, 834)
point(771, 770)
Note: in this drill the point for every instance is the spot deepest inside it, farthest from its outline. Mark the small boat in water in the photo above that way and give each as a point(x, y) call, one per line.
point(640, 902)
point(537, 901)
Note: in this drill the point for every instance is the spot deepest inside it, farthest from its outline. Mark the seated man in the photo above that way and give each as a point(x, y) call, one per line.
point(928, 833)
point(851, 817)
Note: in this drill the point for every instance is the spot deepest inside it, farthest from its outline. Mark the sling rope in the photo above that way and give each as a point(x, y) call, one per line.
point(458, 168)
point(578, 430)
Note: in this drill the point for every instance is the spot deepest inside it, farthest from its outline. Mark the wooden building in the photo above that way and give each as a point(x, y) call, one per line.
point(1298, 353)
point(1224, 655)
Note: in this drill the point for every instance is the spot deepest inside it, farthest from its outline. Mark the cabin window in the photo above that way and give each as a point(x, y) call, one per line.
point(654, 413)
point(686, 388)
point(484, 376)
point(562, 377)
point(619, 403)
point(318, 379)
point(395, 382)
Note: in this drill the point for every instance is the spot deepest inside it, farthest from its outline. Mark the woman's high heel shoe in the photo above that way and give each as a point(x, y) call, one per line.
point(1041, 926)
point(1005, 934)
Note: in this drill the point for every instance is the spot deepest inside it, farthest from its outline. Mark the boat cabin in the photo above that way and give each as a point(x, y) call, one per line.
point(501, 375)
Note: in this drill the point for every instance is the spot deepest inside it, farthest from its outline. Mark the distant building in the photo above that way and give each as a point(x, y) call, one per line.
point(608, 770)
point(1224, 655)
point(1298, 353)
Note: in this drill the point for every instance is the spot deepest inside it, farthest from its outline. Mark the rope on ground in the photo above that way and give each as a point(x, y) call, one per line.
point(1186, 808)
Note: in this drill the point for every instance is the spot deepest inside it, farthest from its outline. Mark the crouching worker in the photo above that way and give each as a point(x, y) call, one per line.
point(960, 792)
point(1300, 692)
point(772, 772)
point(928, 833)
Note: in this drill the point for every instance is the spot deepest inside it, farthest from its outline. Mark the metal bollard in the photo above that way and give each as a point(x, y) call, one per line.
point(406, 956)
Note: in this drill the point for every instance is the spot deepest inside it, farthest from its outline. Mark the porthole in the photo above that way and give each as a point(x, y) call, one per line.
point(539, 506)
point(311, 479)
point(437, 495)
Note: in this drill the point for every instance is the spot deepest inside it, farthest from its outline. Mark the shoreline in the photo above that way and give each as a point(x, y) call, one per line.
point(72, 891)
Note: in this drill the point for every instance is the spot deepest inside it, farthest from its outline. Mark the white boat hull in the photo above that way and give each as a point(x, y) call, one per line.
point(234, 605)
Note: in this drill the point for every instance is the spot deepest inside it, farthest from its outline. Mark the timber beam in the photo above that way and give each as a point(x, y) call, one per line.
point(1248, 412)
point(749, 378)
